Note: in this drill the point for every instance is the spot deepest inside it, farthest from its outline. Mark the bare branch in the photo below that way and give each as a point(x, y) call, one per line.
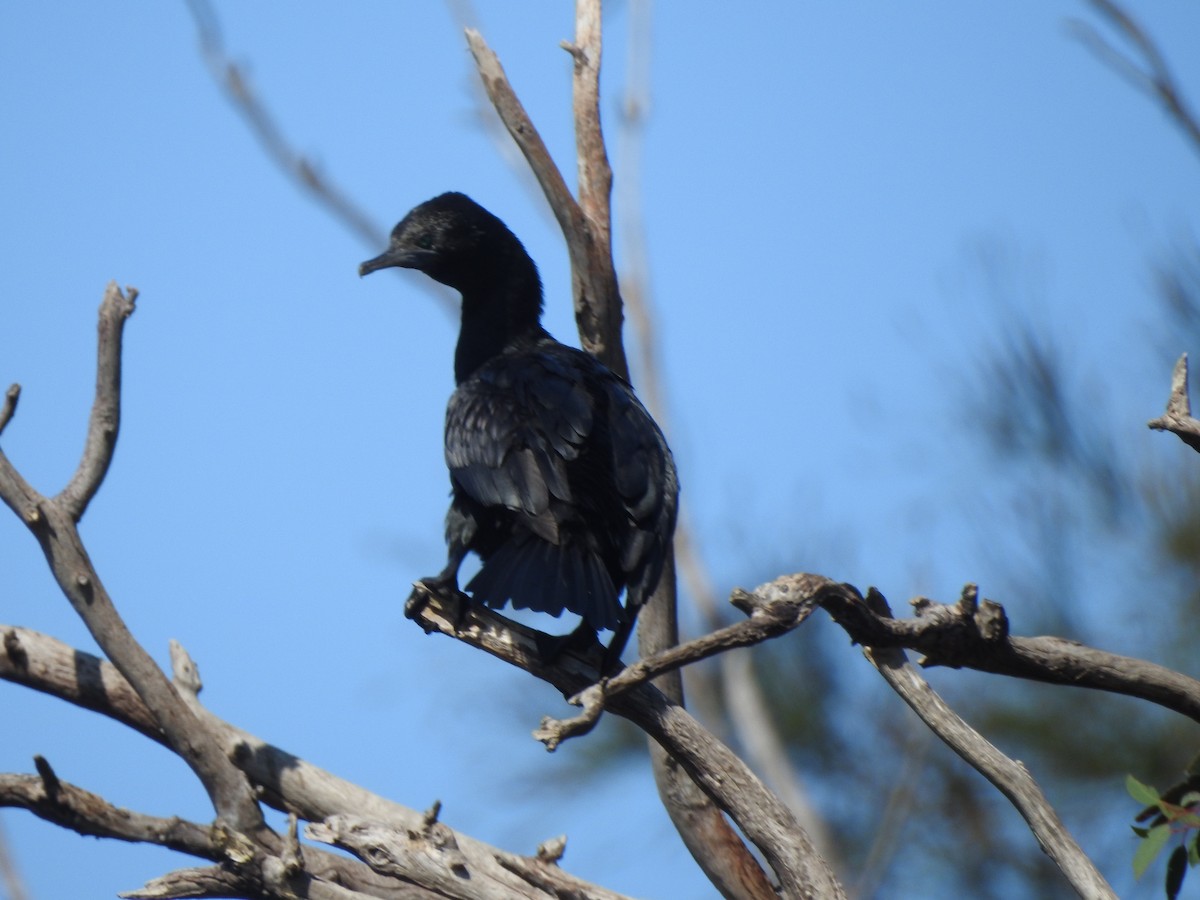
point(53, 522)
point(974, 635)
point(284, 781)
point(1154, 76)
point(207, 882)
point(592, 277)
point(105, 418)
point(772, 614)
point(727, 781)
point(1010, 777)
point(431, 858)
point(235, 84)
point(1178, 417)
point(738, 686)
point(81, 811)
point(598, 307)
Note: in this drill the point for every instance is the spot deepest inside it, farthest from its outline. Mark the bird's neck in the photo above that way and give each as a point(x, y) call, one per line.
point(495, 315)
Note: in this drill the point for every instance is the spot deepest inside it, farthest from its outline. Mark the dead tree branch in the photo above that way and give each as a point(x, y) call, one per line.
point(593, 279)
point(724, 778)
point(968, 634)
point(281, 779)
point(9, 409)
point(235, 84)
point(50, 798)
point(1178, 417)
point(53, 522)
point(971, 634)
point(586, 227)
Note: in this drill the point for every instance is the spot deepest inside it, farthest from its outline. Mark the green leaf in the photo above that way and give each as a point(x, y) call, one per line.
point(1149, 848)
point(1194, 850)
point(1176, 869)
point(1191, 798)
point(1142, 793)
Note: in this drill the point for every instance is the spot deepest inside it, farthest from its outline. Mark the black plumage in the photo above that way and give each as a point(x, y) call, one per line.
point(561, 481)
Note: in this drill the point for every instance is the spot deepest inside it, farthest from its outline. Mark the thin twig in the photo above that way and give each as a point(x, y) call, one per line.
point(1154, 76)
point(235, 83)
point(82, 811)
point(106, 407)
point(9, 409)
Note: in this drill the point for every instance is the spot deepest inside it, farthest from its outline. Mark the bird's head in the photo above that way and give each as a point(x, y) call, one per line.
point(449, 238)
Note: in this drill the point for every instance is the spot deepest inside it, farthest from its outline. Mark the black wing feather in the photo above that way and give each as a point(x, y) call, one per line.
point(545, 441)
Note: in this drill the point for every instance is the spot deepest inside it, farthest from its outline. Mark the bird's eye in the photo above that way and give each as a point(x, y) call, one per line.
point(424, 241)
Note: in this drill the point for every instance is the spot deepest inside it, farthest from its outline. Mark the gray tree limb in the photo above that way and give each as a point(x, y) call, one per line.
point(53, 522)
point(1178, 417)
point(281, 779)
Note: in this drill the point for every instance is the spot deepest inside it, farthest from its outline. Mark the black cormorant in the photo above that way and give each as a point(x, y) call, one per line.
point(561, 481)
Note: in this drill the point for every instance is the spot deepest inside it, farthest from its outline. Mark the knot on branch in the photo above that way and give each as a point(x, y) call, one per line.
point(954, 635)
point(14, 651)
point(394, 851)
point(50, 783)
point(787, 599)
point(551, 851)
point(949, 632)
point(234, 846)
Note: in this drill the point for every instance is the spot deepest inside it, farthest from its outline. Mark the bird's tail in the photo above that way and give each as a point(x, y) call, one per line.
point(535, 574)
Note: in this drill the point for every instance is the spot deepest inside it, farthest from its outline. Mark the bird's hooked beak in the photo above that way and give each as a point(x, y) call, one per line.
point(397, 257)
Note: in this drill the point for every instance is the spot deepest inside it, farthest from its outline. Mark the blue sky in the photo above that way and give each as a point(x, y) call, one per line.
point(817, 180)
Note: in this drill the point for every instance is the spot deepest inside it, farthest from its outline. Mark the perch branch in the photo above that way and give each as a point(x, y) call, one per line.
point(1178, 417)
point(726, 780)
point(771, 614)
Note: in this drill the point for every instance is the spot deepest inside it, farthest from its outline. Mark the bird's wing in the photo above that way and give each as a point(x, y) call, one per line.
point(513, 427)
point(644, 476)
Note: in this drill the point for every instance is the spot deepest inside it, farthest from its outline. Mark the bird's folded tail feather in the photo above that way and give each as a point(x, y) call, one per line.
point(534, 574)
